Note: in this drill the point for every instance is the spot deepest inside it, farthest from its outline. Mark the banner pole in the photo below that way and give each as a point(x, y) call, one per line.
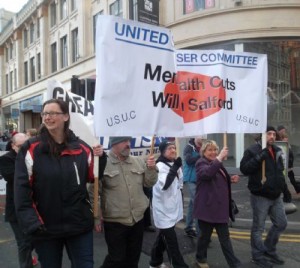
point(96, 187)
point(225, 139)
point(263, 168)
point(152, 145)
point(225, 142)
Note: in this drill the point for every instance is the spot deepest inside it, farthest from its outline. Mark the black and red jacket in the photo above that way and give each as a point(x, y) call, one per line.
point(51, 190)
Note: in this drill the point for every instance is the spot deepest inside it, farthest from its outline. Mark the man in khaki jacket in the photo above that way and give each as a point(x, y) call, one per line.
point(123, 202)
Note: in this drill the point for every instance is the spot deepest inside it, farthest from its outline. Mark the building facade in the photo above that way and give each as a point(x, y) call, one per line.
point(55, 39)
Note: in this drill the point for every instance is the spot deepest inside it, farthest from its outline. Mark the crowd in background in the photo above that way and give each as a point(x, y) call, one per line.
point(54, 164)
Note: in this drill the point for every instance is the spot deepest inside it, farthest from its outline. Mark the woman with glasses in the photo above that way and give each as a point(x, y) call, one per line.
point(52, 202)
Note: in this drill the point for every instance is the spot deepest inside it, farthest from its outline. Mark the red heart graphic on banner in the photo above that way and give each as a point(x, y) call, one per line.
point(195, 96)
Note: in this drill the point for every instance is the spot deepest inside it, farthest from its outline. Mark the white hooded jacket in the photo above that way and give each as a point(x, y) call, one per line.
point(167, 204)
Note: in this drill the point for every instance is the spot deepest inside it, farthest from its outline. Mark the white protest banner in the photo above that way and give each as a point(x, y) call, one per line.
point(81, 111)
point(221, 91)
point(127, 55)
point(145, 87)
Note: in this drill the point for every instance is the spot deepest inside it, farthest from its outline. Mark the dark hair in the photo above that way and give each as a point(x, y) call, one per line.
point(44, 131)
point(164, 145)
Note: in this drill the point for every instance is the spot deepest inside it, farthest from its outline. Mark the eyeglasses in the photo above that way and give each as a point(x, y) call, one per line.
point(51, 114)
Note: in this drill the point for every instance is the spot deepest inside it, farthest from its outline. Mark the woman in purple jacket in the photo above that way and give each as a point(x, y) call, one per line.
point(212, 205)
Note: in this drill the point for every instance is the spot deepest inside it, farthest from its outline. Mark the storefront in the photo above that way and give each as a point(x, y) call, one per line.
point(11, 117)
point(30, 110)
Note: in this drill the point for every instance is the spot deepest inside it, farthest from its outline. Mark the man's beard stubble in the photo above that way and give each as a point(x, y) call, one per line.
point(125, 152)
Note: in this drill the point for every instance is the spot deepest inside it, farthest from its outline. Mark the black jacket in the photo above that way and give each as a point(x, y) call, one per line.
point(51, 191)
point(291, 158)
point(7, 169)
point(251, 165)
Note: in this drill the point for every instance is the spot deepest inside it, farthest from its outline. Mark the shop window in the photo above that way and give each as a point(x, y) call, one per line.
point(64, 51)
point(73, 5)
point(6, 54)
point(38, 65)
point(133, 9)
point(11, 51)
point(32, 69)
point(25, 38)
point(38, 28)
point(116, 8)
point(53, 57)
point(75, 48)
point(95, 25)
point(53, 16)
point(190, 6)
point(63, 9)
point(31, 33)
point(11, 81)
point(6, 84)
point(25, 73)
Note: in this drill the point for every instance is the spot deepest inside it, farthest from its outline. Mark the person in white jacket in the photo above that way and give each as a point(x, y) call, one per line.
point(167, 207)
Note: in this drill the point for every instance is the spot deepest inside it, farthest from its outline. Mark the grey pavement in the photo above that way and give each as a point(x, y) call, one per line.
point(239, 236)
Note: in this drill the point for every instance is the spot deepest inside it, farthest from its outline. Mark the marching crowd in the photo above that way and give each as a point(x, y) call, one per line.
point(50, 197)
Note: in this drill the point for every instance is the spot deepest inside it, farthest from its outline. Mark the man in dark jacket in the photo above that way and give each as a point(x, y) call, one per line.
point(7, 168)
point(266, 197)
point(191, 155)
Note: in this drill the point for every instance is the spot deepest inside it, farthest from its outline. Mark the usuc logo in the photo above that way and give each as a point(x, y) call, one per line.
point(120, 118)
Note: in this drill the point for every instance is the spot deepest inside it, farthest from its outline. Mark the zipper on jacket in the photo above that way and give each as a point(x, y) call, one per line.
point(77, 175)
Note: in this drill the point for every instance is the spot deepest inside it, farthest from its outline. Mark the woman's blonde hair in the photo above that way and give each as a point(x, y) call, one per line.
point(207, 143)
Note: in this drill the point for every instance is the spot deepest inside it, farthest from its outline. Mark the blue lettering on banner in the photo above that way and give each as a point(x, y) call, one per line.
point(142, 36)
point(216, 58)
point(136, 142)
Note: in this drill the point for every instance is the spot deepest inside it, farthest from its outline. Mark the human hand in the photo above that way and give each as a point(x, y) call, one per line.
point(151, 162)
point(263, 154)
point(223, 154)
point(98, 150)
point(235, 178)
point(98, 225)
point(40, 230)
point(178, 162)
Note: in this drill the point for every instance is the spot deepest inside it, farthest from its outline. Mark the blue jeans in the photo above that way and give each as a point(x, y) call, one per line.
point(79, 249)
point(262, 207)
point(189, 222)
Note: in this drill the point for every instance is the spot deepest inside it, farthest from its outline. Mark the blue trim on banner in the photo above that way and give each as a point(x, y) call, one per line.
point(144, 45)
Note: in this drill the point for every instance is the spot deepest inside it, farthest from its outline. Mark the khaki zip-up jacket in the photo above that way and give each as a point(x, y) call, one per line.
point(121, 189)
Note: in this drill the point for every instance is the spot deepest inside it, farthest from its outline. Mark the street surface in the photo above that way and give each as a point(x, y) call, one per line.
point(288, 247)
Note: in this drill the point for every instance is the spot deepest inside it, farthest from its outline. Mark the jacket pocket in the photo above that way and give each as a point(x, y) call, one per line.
point(138, 175)
point(111, 178)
